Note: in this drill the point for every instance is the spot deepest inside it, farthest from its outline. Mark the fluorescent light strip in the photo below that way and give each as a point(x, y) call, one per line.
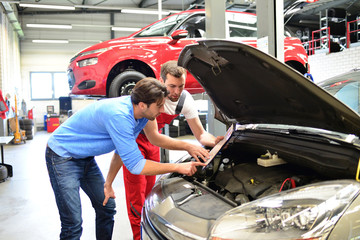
point(68, 26)
point(125, 29)
point(123, 10)
point(85, 41)
point(50, 41)
point(98, 7)
point(46, 6)
point(143, 11)
point(57, 26)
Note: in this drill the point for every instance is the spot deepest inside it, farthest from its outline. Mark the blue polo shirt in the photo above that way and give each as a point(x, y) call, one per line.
point(100, 128)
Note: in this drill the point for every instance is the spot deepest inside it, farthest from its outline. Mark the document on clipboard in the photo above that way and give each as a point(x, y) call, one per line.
point(214, 151)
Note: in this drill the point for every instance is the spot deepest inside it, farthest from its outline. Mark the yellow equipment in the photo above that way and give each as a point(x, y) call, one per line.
point(17, 134)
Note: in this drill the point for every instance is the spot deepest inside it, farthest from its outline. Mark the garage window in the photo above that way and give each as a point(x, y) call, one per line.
point(48, 85)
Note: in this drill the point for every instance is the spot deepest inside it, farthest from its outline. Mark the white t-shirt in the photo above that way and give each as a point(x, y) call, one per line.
point(189, 109)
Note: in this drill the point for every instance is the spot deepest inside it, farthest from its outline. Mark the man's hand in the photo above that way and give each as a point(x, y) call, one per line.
point(198, 152)
point(218, 139)
point(188, 168)
point(109, 193)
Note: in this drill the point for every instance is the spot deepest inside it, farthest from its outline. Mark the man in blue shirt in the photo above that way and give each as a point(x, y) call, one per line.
point(104, 126)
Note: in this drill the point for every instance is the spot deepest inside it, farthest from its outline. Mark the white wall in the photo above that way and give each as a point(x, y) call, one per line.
point(324, 65)
point(51, 62)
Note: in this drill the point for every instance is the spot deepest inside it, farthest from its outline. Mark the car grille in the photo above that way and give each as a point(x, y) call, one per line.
point(71, 78)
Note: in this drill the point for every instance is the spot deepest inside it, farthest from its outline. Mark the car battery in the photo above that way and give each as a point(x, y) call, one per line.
point(52, 122)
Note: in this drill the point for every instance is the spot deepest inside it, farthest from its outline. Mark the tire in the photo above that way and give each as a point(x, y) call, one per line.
point(26, 121)
point(3, 173)
point(124, 83)
point(26, 124)
point(29, 137)
point(26, 127)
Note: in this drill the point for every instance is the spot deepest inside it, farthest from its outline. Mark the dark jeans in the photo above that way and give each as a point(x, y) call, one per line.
point(67, 175)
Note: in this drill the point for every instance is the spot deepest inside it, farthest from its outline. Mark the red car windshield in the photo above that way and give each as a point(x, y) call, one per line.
point(163, 27)
point(240, 25)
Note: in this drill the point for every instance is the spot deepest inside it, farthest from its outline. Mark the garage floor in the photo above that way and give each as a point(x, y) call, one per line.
point(27, 204)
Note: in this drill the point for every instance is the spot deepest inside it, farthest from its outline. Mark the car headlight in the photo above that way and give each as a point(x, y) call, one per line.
point(87, 62)
point(309, 212)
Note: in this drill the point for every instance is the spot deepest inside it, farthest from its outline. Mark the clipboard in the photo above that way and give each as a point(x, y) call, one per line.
point(215, 150)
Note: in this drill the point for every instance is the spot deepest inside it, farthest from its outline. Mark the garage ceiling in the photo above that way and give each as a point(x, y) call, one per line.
point(92, 20)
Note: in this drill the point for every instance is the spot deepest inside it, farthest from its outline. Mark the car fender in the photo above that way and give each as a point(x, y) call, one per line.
point(137, 51)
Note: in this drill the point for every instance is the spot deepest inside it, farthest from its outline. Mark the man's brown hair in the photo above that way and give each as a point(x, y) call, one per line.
point(148, 90)
point(172, 68)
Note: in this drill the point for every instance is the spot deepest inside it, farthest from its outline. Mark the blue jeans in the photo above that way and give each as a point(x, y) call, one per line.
point(67, 175)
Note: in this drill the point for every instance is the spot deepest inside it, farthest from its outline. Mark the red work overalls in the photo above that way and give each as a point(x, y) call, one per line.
point(137, 187)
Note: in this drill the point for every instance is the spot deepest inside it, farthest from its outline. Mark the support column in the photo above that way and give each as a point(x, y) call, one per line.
point(215, 28)
point(112, 23)
point(215, 19)
point(160, 9)
point(270, 27)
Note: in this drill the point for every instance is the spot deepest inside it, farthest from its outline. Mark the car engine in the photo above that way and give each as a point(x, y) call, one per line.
point(243, 179)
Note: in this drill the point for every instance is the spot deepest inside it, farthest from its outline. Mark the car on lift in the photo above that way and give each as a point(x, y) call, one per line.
point(287, 169)
point(112, 68)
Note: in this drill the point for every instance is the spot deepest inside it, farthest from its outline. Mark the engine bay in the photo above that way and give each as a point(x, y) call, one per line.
point(253, 165)
point(240, 175)
point(247, 181)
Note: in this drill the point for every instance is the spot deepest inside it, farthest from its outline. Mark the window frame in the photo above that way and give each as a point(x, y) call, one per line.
point(52, 73)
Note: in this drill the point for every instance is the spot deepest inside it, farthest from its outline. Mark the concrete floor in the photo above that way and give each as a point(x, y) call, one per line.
point(27, 204)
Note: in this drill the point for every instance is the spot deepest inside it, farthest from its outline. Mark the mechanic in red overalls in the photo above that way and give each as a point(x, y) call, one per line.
point(178, 101)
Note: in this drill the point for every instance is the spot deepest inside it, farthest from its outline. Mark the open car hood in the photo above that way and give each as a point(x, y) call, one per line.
point(253, 87)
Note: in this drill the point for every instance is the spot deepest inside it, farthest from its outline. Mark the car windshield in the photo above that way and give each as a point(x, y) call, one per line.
point(346, 88)
point(162, 28)
point(241, 25)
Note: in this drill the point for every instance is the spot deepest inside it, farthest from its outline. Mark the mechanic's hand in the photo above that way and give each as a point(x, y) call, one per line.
point(109, 193)
point(198, 152)
point(218, 139)
point(188, 168)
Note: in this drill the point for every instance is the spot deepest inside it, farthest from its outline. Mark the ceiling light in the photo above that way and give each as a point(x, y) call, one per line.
point(98, 7)
point(142, 11)
point(85, 40)
point(57, 26)
point(47, 6)
point(50, 41)
point(125, 29)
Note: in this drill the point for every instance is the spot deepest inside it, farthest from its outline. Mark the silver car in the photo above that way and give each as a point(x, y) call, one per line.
point(345, 87)
point(287, 169)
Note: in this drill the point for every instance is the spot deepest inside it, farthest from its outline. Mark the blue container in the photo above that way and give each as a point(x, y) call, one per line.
point(45, 122)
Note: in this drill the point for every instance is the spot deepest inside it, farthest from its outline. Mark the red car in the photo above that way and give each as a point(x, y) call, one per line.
point(113, 67)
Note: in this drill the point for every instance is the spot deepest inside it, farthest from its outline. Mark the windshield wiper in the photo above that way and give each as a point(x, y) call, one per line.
point(332, 138)
point(306, 132)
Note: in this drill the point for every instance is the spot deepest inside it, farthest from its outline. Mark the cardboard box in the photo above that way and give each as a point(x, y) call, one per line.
point(12, 124)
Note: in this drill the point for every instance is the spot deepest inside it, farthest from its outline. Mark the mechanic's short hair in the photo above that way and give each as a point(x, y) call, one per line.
point(172, 68)
point(148, 90)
